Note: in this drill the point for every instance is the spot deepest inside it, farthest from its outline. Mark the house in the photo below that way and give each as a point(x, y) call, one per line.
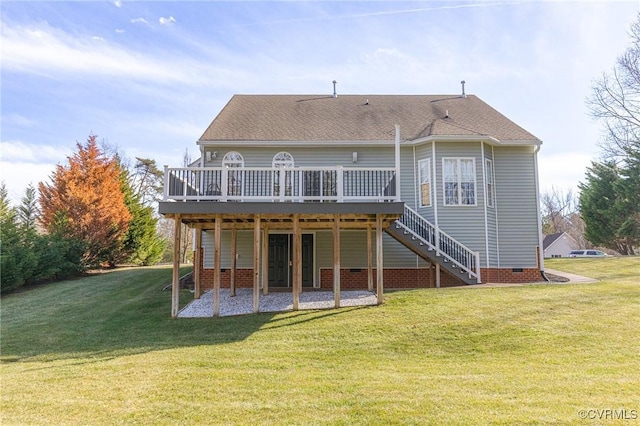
point(559, 245)
point(358, 191)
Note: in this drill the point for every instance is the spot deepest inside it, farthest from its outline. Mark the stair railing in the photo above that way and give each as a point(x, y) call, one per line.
point(439, 241)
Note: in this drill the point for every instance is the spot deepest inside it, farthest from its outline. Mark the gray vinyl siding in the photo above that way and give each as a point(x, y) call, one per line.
point(423, 152)
point(516, 206)
point(353, 251)
point(464, 223)
point(407, 176)
point(492, 230)
point(244, 249)
point(375, 156)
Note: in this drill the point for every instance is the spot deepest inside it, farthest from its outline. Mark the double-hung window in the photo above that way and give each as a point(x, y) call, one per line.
point(424, 176)
point(491, 190)
point(459, 179)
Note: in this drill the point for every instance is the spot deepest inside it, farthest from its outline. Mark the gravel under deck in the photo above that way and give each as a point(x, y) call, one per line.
point(279, 301)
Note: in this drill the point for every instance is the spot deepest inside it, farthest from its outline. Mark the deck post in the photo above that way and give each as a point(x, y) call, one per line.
point(175, 283)
point(297, 251)
point(216, 266)
point(432, 276)
point(256, 263)
point(197, 263)
point(437, 275)
point(369, 260)
point(379, 259)
point(336, 260)
point(265, 261)
point(234, 261)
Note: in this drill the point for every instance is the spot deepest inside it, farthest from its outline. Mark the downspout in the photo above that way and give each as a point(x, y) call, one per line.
point(486, 193)
point(540, 248)
point(397, 149)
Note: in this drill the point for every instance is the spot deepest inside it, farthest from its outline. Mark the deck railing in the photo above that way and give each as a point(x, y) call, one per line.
point(299, 184)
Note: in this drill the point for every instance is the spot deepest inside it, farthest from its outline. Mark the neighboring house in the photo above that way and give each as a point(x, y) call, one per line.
point(349, 191)
point(559, 245)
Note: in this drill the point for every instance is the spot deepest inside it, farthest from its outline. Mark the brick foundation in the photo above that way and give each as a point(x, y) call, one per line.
point(393, 278)
point(244, 278)
point(509, 275)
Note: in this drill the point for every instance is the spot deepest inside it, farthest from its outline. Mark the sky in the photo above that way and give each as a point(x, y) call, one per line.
point(148, 77)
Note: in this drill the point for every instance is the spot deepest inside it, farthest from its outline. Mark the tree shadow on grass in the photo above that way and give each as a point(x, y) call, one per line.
point(122, 312)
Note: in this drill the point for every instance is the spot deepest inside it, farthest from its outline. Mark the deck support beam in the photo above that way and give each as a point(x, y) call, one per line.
point(234, 260)
point(216, 265)
point(175, 283)
point(197, 263)
point(297, 265)
point(265, 260)
point(256, 264)
point(379, 259)
point(369, 260)
point(336, 260)
point(437, 275)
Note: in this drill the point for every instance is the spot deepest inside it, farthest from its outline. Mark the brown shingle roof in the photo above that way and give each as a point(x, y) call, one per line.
point(351, 118)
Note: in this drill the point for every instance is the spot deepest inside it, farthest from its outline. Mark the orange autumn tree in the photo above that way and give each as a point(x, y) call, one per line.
point(85, 202)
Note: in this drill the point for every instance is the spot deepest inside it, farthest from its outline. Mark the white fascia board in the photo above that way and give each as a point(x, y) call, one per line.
point(456, 138)
point(476, 138)
point(310, 144)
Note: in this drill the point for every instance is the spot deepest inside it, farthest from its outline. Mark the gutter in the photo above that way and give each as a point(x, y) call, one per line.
point(540, 247)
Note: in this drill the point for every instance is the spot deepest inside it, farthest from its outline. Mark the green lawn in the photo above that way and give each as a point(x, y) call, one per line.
point(104, 350)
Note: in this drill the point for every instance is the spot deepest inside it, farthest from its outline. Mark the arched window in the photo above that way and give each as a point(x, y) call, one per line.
point(282, 160)
point(283, 180)
point(233, 159)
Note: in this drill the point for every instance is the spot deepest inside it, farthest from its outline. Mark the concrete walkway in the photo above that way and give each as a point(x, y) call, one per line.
point(572, 277)
point(566, 278)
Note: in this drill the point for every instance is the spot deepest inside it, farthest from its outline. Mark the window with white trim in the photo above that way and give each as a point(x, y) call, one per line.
point(283, 179)
point(231, 160)
point(282, 160)
point(424, 182)
point(459, 180)
point(491, 190)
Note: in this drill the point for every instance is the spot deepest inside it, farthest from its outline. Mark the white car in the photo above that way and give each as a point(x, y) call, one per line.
point(586, 253)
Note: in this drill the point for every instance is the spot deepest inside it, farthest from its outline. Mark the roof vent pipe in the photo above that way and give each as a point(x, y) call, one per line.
point(464, 95)
point(335, 94)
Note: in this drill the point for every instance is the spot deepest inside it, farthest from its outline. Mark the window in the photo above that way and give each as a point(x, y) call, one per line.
point(491, 191)
point(459, 181)
point(282, 160)
point(283, 180)
point(233, 160)
point(424, 180)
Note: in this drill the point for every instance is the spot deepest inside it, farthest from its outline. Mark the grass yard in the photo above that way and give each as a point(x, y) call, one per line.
point(104, 350)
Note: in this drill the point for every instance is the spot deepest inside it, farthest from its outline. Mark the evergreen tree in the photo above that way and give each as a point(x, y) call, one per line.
point(141, 245)
point(16, 260)
point(604, 211)
point(84, 202)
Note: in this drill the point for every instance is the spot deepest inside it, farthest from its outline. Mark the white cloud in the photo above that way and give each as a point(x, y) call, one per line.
point(97, 38)
point(139, 21)
point(117, 3)
point(18, 151)
point(120, 31)
point(13, 176)
point(562, 170)
point(54, 53)
point(22, 164)
point(167, 21)
point(17, 120)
